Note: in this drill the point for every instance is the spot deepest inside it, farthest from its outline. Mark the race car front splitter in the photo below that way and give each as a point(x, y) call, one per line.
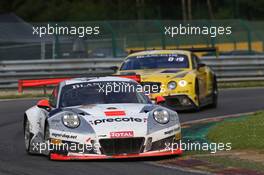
point(77, 156)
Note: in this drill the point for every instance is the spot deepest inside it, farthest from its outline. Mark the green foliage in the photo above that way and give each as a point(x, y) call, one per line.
point(86, 10)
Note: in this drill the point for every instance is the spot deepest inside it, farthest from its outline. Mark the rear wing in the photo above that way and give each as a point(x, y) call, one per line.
point(207, 50)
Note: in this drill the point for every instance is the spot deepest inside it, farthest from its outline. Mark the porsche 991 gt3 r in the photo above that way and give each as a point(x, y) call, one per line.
point(89, 118)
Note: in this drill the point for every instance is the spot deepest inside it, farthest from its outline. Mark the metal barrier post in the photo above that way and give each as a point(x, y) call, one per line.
point(163, 39)
point(107, 24)
point(45, 90)
point(249, 34)
point(20, 86)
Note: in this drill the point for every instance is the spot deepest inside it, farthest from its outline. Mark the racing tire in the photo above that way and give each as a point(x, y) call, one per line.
point(27, 135)
point(214, 94)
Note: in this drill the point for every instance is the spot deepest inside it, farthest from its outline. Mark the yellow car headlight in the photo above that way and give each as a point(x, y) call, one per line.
point(172, 85)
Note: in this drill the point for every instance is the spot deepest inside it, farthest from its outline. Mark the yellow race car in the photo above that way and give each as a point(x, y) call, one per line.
point(176, 75)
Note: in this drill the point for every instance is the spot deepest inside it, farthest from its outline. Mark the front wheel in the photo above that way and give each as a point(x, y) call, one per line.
point(47, 139)
point(197, 93)
point(27, 135)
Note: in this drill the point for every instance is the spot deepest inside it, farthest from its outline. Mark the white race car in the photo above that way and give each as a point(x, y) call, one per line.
point(101, 118)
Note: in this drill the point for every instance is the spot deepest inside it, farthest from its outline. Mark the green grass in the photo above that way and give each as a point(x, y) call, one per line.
point(246, 136)
point(227, 162)
point(242, 134)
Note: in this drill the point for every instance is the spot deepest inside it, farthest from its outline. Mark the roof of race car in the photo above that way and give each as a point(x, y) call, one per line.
point(150, 52)
point(96, 79)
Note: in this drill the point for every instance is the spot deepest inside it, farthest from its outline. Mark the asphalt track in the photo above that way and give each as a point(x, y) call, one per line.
point(15, 161)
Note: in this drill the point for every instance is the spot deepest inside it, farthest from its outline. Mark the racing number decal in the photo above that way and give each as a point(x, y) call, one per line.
point(170, 59)
point(177, 59)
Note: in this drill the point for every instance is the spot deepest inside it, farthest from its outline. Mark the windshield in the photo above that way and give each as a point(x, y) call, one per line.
point(156, 62)
point(101, 93)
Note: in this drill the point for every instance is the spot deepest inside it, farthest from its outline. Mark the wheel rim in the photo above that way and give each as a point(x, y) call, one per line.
point(27, 135)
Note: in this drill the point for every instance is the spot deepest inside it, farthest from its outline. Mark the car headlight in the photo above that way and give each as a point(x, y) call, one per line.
point(71, 120)
point(182, 83)
point(161, 116)
point(172, 85)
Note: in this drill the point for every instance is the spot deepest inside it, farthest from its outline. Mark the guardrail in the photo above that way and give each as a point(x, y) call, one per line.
point(237, 68)
point(12, 71)
point(227, 68)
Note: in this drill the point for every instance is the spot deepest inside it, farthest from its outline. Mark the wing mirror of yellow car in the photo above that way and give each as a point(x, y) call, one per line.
point(200, 65)
point(44, 104)
point(160, 100)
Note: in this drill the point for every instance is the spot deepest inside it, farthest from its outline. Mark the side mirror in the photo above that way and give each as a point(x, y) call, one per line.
point(44, 104)
point(114, 68)
point(160, 100)
point(200, 65)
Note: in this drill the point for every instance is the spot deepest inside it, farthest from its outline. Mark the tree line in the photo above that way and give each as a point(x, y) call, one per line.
point(86, 10)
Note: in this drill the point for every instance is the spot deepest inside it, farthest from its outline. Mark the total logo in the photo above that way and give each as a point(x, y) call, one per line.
point(122, 134)
point(118, 119)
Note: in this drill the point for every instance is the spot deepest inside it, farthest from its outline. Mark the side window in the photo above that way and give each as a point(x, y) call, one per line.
point(195, 61)
point(54, 97)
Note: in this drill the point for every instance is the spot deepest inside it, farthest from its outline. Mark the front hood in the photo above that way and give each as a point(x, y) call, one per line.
point(100, 109)
point(107, 119)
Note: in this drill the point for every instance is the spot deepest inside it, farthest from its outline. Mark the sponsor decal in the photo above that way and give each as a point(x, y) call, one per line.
point(122, 134)
point(55, 121)
point(68, 136)
point(118, 119)
point(172, 131)
point(115, 113)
